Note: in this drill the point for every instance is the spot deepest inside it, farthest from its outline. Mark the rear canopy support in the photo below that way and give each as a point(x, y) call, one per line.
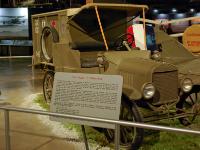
point(101, 28)
point(144, 24)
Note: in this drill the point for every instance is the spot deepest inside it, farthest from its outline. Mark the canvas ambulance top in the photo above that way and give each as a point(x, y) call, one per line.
point(109, 20)
point(132, 9)
point(94, 19)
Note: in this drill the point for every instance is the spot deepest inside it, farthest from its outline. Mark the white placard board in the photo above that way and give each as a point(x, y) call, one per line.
point(91, 95)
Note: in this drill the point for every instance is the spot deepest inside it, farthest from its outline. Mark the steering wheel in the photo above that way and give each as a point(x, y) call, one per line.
point(119, 42)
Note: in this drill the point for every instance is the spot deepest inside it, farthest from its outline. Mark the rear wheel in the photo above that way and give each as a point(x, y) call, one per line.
point(130, 137)
point(48, 86)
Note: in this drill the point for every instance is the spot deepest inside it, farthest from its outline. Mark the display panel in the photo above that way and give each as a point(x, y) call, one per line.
point(6, 42)
point(14, 23)
point(16, 42)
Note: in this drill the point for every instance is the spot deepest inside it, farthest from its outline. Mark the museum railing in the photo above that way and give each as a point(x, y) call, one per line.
point(8, 109)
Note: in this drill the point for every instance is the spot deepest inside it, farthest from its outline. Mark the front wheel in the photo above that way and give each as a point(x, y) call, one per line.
point(48, 86)
point(130, 137)
point(189, 105)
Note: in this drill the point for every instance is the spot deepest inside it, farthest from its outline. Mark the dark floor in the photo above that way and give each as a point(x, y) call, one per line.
point(27, 132)
point(18, 80)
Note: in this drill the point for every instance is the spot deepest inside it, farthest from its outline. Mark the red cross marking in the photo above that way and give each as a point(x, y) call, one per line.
point(53, 23)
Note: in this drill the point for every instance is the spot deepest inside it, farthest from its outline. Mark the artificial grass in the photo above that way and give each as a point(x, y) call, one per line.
point(154, 140)
point(92, 135)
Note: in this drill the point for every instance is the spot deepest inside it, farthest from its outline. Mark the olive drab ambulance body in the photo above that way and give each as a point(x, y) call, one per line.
point(93, 39)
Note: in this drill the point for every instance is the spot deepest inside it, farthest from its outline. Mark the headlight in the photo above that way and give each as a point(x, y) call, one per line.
point(148, 91)
point(186, 85)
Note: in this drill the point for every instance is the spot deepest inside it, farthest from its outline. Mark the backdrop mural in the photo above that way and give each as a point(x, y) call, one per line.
point(13, 23)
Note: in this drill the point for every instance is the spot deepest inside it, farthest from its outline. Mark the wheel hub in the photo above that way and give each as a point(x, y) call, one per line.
point(196, 109)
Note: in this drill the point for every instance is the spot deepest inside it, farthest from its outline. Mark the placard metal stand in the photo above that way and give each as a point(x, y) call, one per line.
point(85, 137)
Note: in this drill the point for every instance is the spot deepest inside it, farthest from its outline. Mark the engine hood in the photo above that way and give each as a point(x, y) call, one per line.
point(137, 72)
point(143, 69)
point(140, 65)
point(190, 69)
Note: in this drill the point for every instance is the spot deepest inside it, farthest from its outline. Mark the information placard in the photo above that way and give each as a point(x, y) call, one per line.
point(91, 95)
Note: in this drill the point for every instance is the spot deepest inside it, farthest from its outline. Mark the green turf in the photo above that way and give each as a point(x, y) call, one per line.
point(154, 140)
point(40, 101)
point(92, 135)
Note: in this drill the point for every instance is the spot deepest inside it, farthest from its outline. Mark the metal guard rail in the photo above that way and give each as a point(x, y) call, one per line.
point(117, 123)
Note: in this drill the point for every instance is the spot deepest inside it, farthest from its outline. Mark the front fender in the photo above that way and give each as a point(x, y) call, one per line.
point(132, 93)
point(190, 70)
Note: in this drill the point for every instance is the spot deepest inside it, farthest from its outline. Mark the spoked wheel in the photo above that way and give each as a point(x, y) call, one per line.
point(190, 106)
point(48, 86)
point(130, 137)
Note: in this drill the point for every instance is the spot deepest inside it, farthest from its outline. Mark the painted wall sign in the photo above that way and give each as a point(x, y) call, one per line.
point(92, 95)
point(191, 38)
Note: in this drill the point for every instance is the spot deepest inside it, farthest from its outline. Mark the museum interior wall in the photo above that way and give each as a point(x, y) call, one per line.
point(16, 34)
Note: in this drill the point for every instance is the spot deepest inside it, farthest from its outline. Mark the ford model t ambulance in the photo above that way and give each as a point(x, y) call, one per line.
point(93, 39)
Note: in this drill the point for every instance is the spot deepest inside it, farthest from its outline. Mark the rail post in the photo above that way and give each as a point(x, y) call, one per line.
point(7, 129)
point(117, 137)
point(85, 137)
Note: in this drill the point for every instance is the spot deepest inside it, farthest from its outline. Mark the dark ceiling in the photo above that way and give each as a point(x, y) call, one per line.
point(66, 3)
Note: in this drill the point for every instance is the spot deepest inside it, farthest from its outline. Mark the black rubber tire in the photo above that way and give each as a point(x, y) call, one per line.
point(48, 79)
point(139, 132)
point(186, 104)
point(55, 38)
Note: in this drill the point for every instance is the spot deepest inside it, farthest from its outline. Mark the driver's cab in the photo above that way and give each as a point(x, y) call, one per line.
point(142, 40)
point(100, 30)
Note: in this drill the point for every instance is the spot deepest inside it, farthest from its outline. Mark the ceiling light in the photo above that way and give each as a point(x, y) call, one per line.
point(174, 10)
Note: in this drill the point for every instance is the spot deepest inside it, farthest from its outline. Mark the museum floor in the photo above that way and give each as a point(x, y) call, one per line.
point(27, 131)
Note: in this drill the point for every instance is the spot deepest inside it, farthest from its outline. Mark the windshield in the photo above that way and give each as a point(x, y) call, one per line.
point(85, 27)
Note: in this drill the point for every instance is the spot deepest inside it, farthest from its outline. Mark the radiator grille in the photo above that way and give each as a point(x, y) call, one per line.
point(166, 84)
